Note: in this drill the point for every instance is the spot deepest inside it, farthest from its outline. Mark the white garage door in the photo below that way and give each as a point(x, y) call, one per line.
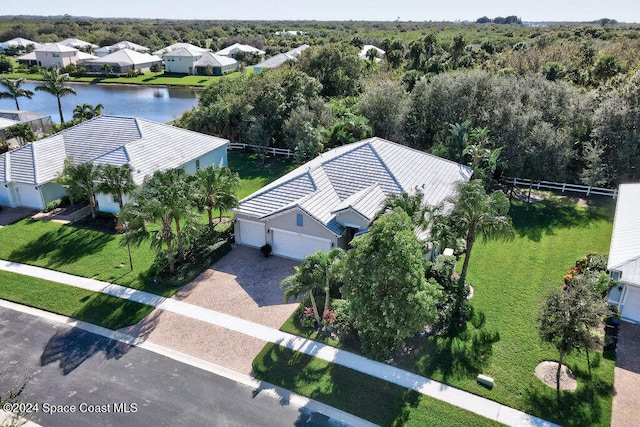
point(295, 245)
point(250, 233)
point(29, 197)
point(631, 309)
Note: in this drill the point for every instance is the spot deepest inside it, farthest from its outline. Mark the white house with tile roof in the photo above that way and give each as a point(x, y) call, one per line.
point(27, 174)
point(325, 202)
point(123, 60)
point(18, 42)
point(234, 49)
point(624, 253)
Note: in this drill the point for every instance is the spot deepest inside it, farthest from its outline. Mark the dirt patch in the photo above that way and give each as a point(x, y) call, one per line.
point(547, 371)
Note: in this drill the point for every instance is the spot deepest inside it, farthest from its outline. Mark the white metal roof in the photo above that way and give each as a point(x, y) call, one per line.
point(18, 41)
point(183, 51)
point(367, 47)
point(214, 60)
point(340, 178)
point(126, 57)
point(237, 47)
point(77, 43)
point(147, 146)
point(624, 253)
point(177, 46)
point(55, 47)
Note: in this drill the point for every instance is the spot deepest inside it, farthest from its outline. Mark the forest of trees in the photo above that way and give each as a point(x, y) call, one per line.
point(563, 101)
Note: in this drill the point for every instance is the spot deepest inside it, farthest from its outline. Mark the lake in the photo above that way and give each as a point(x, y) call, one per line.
point(157, 104)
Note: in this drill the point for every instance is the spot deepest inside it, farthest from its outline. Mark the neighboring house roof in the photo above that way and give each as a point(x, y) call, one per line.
point(121, 45)
point(22, 115)
point(31, 56)
point(7, 123)
point(237, 47)
point(185, 52)
point(177, 46)
point(356, 176)
point(147, 146)
point(84, 56)
point(281, 58)
point(77, 43)
point(55, 47)
point(126, 57)
point(624, 253)
point(366, 48)
point(214, 60)
point(18, 41)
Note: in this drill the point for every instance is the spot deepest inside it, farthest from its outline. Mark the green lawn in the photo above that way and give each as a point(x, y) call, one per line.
point(370, 398)
point(510, 279)
point(253, 173)
point(93, 307)
point(148, 78)
point(79, 251)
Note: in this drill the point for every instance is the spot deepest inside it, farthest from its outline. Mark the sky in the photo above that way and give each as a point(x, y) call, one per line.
point(340, 10)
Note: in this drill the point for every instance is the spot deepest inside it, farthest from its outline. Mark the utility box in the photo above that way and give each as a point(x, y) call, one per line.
point(485, 381)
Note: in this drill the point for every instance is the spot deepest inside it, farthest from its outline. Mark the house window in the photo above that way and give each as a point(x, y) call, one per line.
point(116, 198)
point(299, 220)
point(615, 275)
point(197, 164)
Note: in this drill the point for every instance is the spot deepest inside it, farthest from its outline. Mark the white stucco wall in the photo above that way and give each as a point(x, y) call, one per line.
point(179, 64)
point(310, 226)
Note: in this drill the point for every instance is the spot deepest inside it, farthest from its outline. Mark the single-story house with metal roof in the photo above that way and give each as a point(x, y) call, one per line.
point(234, 49)
point(18, 43)
point(279, 59)
point(123, 60)
point(28, 173)
point(217, 65)
point(624, 253)
point(176, 46)
point(106, 50)
point(325, 202)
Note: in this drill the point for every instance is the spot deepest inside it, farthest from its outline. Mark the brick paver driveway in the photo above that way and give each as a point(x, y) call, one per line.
point(243, 284)
point(626, 397)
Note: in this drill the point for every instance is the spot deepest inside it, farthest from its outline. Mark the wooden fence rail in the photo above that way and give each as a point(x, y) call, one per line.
point(549, 185)
point(271, 150)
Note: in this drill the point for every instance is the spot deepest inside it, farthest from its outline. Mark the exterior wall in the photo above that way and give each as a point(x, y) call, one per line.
point(238, 230)
point(310, 226)
point(217, 158)
point(6, 198)
point(107, 204)
point(24, 193)
point(51, 191)
point(179, 64)
point(62, 59)
point(351, 219)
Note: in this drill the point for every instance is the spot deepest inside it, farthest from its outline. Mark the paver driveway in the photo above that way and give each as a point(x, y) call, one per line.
point(242, 284)
point(626, 398)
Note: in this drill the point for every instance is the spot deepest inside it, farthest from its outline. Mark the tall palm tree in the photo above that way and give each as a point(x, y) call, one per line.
point(317, 272)
point(216, 189)
point(480, 214)
point(115, 180)
point(14, 90)
point(55, 83)
point(78, 180)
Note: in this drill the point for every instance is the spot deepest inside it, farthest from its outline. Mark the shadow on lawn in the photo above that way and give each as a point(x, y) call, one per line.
point(359, 394)
point(533, 220)
point(66, 245)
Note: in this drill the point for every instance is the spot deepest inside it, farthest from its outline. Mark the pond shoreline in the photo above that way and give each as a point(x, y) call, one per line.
point(151, 86)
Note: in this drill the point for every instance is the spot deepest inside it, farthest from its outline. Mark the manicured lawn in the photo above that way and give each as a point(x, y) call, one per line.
point(93, 307)
point(79, 251)
point(510, 280)
point(148, 78)
point(370, 398)
point(253, 173)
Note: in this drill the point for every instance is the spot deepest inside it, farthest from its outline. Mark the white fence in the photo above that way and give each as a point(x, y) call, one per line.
point(548, 185)
point(259, 149)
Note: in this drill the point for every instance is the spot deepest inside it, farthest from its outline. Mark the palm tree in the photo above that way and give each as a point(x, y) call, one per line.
point(87, 111)
point(372, 54)
point(480, 214)
point(116, 180)
point(78, 180)
point(54, 83)
point(14, 90)
point(317, 272)
point(421, 214)
point(216, 189)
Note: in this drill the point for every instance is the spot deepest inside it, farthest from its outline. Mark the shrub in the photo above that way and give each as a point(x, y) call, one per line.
point(266, 250)
point(307, 319)
point(56, 203)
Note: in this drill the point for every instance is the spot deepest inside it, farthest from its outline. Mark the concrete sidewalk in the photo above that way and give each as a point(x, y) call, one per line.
point(462, 399)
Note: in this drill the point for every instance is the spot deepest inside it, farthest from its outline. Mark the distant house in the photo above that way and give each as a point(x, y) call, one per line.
point(107, 50)
point(78, 44)
point(176, 46)
point(123, 60)
point(54, 54)
point(322, 204)
point(288, 33)
point(39, 123)
point(279, 59)
point(27, 174)
point(186, 60)
point(17, 43)
point(217, 64)
point(234, 49)
point(624, 253)
point(365, 50)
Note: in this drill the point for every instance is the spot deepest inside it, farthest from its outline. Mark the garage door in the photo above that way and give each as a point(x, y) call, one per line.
point(251, 233)
point(295, 245)
point(29, 197)
point(5, 198)
point(631, 308)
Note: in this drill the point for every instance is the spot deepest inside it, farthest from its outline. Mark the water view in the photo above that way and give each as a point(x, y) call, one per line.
point(157, 104)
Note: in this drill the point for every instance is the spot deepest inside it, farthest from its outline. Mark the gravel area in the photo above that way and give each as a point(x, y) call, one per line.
point(242, 284)
point(626, 396)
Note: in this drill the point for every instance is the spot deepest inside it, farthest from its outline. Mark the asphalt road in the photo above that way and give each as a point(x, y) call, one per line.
point(72, 369)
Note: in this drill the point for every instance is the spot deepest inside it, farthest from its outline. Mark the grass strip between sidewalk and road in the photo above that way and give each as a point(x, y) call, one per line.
point(93, 307)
